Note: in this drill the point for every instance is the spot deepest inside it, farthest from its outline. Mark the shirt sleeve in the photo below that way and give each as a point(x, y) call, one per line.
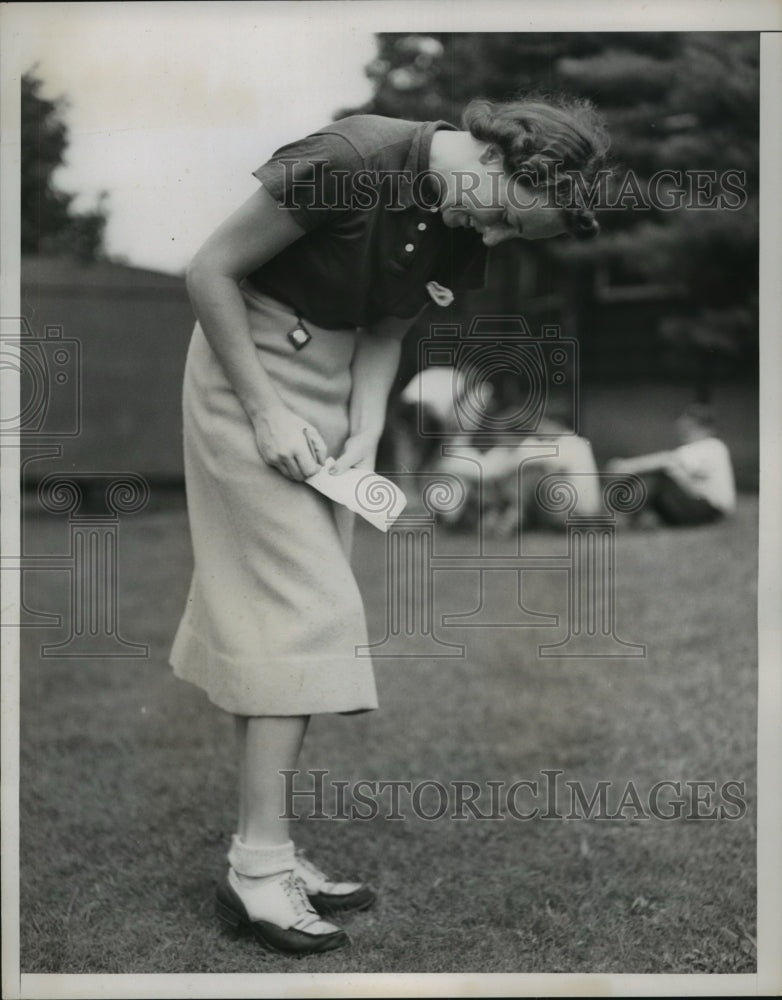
point(708, 464)
point(701, 459)
point(312, 178)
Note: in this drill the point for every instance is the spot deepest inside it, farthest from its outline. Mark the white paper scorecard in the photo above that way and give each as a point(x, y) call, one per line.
point(368, 494)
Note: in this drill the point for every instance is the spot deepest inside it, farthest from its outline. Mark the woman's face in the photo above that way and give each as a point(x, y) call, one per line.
point(500, 209)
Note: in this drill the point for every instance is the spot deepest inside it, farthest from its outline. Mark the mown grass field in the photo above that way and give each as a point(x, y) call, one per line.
point(127, 797)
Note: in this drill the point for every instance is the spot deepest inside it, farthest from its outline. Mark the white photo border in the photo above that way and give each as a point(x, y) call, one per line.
point(451, 15)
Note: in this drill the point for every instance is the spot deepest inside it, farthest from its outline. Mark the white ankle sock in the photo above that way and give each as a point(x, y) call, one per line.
point(259, 861)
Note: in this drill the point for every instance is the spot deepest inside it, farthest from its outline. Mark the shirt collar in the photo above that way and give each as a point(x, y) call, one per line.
point(417, 163)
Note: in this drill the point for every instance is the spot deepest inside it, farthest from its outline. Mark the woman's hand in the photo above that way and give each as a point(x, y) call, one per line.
point(360, 452)
point(289, 444)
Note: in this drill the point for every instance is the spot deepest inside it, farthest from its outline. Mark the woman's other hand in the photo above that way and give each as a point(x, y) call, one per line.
point(289, 444)
point(360, 452)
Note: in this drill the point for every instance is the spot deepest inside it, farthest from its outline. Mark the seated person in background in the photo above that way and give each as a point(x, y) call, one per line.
point(434, 399)
point(439, 391)
point(692, 484)
point(426, 416)
point(574, 463)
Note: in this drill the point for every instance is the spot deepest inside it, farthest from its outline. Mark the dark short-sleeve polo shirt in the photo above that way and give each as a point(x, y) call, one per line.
point(372, 240)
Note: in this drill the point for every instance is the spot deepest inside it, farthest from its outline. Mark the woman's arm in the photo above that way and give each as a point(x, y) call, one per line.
point(656, 461)
point(374, 368)
point(254, 234)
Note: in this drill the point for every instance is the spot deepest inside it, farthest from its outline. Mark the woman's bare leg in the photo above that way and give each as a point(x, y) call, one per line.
point(261, 890)
point(274, 885)
point(266, 745)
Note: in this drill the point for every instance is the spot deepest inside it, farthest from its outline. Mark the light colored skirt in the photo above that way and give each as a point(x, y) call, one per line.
point(274, 614)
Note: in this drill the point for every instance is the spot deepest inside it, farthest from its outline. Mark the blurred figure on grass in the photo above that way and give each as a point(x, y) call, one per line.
point(689, 485)
point(500, 476)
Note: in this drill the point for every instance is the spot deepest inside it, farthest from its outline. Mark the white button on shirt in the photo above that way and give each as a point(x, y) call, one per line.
point(409, 247)
point(421, 226)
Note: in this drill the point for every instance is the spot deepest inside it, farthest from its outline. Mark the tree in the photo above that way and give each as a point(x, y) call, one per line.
point(692, 107)
point(49, 222)
point(672, 100)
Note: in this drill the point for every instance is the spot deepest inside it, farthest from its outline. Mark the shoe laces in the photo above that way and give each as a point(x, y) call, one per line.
point(294, 890)
point(317, 881)
point(304, 864)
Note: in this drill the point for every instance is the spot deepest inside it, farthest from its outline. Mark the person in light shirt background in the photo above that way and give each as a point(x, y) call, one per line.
point(689, 485)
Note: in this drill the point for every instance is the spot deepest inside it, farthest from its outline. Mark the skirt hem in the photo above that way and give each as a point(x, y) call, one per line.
point(195, 662)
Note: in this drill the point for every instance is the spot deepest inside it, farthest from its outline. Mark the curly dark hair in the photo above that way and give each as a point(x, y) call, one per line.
point(701, 414)
point(545, 140)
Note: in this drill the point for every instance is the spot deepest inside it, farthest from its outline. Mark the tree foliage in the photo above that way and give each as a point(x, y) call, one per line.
point(49, 222)
point(681, 101)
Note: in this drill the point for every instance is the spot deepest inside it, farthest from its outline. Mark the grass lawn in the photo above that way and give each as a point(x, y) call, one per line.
point(127, 780)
